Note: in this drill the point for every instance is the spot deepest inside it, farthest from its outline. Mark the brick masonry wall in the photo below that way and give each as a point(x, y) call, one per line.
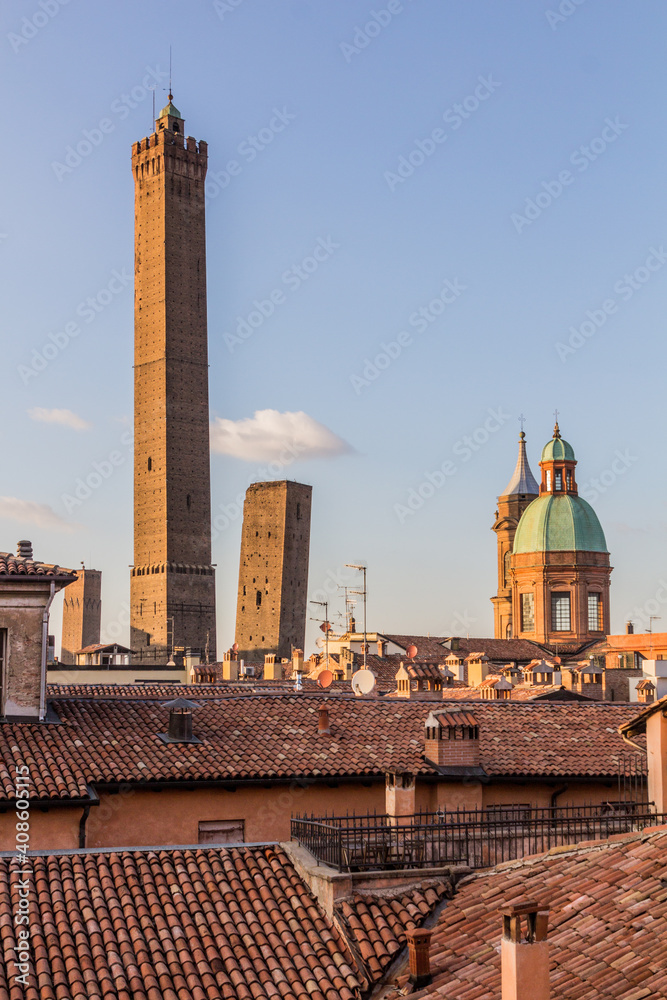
point(172, 573)
point(275, 546)
point(452, 753)
point(82, 610)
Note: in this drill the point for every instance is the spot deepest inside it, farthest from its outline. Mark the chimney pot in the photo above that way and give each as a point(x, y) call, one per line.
point(24, 549)
point(180, 723)
point(419, 942)
point(525, 956)
point(323, 727)
point(629, 628)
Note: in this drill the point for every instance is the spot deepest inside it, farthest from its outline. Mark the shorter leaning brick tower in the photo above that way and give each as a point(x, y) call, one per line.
point(273, 572)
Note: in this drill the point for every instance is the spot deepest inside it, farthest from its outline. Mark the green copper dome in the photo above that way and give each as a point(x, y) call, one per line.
point(557, 450)
point(559, 524)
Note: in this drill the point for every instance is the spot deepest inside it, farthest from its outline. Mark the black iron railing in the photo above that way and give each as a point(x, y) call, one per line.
point(475, 838)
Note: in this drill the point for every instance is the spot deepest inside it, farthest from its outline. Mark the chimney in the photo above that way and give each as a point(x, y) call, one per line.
point(419, 942)
point(323, 727)
point(180, 722)
point(230, 667)
point(452, 738)
point(273, 670)
point(525, 957)
point(629, 628)
point(347, 660)
point(382, 648)
point(24, 549)
point(399, 797)
point(297, 661)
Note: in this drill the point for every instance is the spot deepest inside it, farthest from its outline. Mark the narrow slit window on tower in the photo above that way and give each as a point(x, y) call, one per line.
point(188, 501)
point(150, 464)
point(298, 512)
point(258, 599)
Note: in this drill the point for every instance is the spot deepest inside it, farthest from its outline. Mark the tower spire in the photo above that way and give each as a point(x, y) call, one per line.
point(522, 480)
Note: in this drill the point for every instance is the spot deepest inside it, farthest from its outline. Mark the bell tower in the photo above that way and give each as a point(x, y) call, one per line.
point(521, 490)
point(172, 580)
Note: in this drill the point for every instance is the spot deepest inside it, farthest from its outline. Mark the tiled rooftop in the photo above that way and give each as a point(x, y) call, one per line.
point(11, 565)
point(112, 739)
point(607, 922)
point(191, 924)
point(376, 925)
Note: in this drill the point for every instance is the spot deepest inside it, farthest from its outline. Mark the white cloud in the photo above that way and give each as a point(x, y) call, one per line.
point(29, 512)
point(64, 417)
point(272, 436)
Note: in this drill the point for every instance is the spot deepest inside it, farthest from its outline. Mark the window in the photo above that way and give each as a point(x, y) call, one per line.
point(188, 501)
point(527, 612)
point(298, 512)
point(258, 599)
point(506, 569)
point(508, 630)
point(568, 479)
point(560, 612)
point(548, 479)
point(150, 464)
point(558, 480)
point(595, 613)
point(222, 831)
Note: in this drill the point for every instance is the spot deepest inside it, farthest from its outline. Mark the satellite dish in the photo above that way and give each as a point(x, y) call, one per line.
point(363, 681)
point(411, 652)
point(325, 679)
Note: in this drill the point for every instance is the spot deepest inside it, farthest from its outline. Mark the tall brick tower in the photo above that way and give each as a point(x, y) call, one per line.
point(82, 611)
point(173, 581)
point(273, 573)
point(519, 493)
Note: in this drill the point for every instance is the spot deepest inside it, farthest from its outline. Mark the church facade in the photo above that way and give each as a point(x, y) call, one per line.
point(553, 562)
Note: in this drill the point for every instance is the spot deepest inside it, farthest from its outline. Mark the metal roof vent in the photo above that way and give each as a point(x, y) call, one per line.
point(180, 722)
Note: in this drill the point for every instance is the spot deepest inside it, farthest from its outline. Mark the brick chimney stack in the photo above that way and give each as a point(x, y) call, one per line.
point(451, 738)
point(629, 628)
point(419, 942)
point(24, 549)
point(525, 952)
point(323, 726)
point(230, 666)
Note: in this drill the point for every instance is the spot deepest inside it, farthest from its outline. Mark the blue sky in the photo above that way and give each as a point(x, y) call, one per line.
point(500, 167)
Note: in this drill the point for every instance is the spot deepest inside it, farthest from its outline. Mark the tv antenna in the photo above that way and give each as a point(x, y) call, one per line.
point(362, 593)
point(327, 626)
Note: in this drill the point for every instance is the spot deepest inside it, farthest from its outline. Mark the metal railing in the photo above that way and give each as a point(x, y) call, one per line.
point(474, 838)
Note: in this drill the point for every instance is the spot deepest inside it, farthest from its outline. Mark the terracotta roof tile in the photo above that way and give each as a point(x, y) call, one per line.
point(192, 924)
point(376, 925)
point(260, 736)
point(607, 922)
point(11, 565)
